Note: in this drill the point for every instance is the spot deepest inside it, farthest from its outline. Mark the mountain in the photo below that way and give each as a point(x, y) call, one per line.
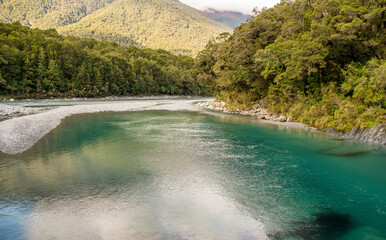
point(157, 24)
point(165, 24)
point(230, 18)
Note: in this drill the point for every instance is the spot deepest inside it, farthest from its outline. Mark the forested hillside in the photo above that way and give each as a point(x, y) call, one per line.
point(157, 24)
point(164, 24)
point(47, 14)
point(320, 61)
point(42, 64)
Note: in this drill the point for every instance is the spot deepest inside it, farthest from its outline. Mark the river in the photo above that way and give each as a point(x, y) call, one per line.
point(191, 175)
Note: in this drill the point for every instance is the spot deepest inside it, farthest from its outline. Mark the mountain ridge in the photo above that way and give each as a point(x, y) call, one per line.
point(231, 18)
point(158, 24)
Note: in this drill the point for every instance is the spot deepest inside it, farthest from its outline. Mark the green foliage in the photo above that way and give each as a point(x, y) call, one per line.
point(40, 64)
point(366, 83)
point(165, 24)
point(49, 13)
point(321, 61)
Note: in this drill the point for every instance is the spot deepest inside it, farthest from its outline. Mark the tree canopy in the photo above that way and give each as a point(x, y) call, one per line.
point(40, 64)
point(320, 61)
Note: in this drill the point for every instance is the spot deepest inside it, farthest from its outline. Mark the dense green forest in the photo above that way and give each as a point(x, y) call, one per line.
point(157, 24)
point(41, 64)
point(322, 62)
point(46, 14)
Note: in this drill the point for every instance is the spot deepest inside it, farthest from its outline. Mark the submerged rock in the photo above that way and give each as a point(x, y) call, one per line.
point(324, 225)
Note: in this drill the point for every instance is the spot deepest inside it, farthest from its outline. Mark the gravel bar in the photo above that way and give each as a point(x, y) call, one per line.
point(21, 133)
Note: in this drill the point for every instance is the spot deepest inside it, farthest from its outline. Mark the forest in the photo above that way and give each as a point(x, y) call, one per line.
point(321, 62)
point(43, 64)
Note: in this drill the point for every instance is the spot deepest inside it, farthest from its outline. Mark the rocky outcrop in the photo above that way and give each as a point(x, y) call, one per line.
point(374, 135)
point(256, 111)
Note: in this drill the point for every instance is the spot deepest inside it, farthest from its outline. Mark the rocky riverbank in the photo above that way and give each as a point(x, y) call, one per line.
point(12, 111)
point(258, 111)
point(374, 135)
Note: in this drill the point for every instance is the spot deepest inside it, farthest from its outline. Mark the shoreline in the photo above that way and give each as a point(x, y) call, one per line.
point(109, 98)
point(261, 114)
point(375, 135)
point(20, 133)
point(11, 108)
point(12, 111)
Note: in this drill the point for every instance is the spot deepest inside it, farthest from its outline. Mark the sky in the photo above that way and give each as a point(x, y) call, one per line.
point(244, 6)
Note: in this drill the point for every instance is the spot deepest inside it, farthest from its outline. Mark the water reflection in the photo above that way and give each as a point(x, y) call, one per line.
point(173, 214)
point(110, 186)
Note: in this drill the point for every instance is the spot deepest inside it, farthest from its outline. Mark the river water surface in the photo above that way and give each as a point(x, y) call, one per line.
point(191, 175)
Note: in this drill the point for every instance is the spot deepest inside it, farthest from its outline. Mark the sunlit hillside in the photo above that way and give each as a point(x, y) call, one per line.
point(48, 13)
point(158, 24)
point(152, 23)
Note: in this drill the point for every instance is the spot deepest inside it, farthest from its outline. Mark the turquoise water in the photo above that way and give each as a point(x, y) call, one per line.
point(187, 175)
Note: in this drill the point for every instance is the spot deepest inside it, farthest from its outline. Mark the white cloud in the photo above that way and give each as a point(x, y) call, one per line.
point(244, 6)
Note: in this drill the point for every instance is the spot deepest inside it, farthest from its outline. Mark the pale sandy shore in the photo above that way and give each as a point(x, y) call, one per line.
point(21, 133)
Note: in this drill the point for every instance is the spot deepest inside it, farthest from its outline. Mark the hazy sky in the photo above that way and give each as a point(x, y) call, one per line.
point(244, 6)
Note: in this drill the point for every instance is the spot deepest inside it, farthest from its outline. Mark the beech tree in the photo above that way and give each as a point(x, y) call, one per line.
point(319, 61)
